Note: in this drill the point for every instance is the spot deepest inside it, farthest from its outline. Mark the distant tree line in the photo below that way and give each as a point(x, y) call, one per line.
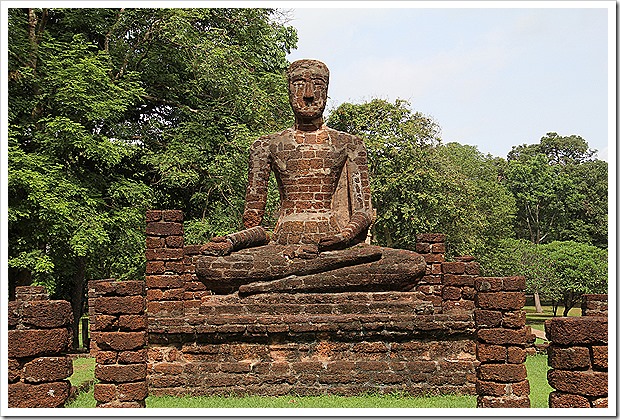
point(116, 111)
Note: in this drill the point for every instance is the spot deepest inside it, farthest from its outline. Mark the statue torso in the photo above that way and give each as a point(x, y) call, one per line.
point(307, 166)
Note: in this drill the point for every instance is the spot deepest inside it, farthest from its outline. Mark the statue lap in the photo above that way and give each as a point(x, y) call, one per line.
point(271, 269)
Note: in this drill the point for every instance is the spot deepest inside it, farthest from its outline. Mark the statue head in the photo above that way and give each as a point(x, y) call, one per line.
point(307, 84)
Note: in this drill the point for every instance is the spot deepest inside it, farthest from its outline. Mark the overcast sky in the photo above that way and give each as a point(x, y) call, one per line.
point(491, 77)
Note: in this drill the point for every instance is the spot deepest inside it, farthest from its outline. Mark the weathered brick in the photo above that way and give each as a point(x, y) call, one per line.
point(47, 313)
point(132, 356)
point(164, 229)
point(164, 281)
point(506, 301)
point(453, 267)
point(513, 319)
point(502, 372)
point(572, 358)
point(120, 341)
point(155, 267)
point(491, 353)
point(423, 247)
point(121, 373)
point(587, 383)
point(472, 268)
point(165, 308)
point(26, 343)
point(104, 392)
point(47, 369)
point(172, 215)
point(433, 258)
point(132, 322)
point(101, 322)
point(600, 357)
point(430, 237)
point(492, 388)
point(174, 242)
point(153, 215)
point(487, 318)
point(50, 394)
point(15, 370)
point(505, 336)
point(113, 305)
point(458, 280)
point(516, 355)
point(600, 403)
point(164, 254)
point(106, 357)
point(577, 330)
point(563, 400)
point(512, 401)
point(438, 248)
point(133, 391)
point(451, 293)
point(14, 309)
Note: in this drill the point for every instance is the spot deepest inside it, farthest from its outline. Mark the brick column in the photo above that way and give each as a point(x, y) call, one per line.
point(594, 305)
point(578, 356)
point(432, 246)
point(165, 263)
point(502, 340)
point(38, 337)
point(458, 284)
point(119, 330)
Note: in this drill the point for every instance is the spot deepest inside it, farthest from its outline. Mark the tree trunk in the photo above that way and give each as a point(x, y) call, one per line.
point(77, 297)
point(537, 305)
point(18, 277)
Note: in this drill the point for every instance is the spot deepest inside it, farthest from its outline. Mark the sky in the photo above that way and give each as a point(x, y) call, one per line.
point(490, 77)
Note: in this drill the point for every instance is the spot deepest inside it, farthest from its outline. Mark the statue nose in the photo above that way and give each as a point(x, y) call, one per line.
point(309, 91)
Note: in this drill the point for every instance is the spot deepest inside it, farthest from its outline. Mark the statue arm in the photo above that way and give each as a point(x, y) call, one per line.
point(259, 168)
point(359, 196)
point(359, 190)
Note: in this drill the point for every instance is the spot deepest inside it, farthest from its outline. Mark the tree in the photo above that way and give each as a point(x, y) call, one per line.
point(114, 111)
point(580, 268)
point(419, 185)
point(561, 192)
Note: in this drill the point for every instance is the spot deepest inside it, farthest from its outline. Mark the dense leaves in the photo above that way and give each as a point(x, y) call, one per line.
point(561, 191)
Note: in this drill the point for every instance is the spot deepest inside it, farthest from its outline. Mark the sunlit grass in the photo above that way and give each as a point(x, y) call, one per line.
point(83, 371)
point(537, 376)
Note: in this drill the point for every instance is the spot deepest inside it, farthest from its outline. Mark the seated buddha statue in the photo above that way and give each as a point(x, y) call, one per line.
point(318, 243)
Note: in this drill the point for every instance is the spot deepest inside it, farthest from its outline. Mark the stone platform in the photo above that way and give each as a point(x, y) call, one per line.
point(312, 344)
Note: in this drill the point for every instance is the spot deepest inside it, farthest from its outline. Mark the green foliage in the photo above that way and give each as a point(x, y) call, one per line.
point(419, 185)
point(561, 193)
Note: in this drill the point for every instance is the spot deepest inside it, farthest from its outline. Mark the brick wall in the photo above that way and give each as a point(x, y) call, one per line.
point(578, 356)
point(502, 340)
point(118, 326)
point(38, 337)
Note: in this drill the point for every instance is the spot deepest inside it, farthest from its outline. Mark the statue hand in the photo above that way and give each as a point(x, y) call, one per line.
point(217, 247)
point(333, 241)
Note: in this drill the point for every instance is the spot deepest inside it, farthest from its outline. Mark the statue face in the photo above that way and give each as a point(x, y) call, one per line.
point(307, 83)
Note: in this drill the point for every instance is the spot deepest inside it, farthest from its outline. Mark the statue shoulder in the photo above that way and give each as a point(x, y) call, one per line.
point(346, 139)
point(263, 142)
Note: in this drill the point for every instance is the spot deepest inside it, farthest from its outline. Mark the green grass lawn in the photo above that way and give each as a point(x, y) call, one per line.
point(536, 368)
